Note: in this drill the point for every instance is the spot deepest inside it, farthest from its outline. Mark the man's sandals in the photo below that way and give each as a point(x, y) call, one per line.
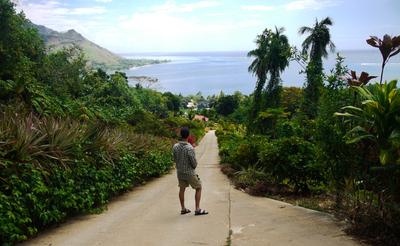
point(200, 212)
point(197, 212)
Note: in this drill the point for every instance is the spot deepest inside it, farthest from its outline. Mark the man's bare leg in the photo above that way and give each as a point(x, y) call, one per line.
point(182, 197)
point(197, 197)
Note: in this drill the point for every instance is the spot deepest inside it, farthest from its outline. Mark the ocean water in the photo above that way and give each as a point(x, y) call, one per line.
point(213, 72)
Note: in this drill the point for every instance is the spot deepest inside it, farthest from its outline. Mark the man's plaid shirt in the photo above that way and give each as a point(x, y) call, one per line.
point(185, 160)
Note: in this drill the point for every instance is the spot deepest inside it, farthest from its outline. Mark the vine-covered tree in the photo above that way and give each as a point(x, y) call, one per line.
point(316, 44)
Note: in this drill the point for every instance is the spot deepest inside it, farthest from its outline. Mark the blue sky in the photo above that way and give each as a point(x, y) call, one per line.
point(211, 25)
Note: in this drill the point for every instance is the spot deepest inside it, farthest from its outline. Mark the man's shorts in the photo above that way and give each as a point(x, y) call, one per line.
point(193, 181)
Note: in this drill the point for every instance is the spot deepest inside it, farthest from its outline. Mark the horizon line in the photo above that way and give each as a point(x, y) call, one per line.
point(220, 51)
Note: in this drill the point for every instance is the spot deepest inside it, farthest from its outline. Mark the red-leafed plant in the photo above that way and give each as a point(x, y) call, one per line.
point(389, 46)
point(360, 81)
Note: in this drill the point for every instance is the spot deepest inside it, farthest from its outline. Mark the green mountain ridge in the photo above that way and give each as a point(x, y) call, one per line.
point(97, 56)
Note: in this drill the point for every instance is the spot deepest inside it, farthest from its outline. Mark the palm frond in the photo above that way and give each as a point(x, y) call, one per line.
point(357, 134)
point(326, 22)
point(332, 46)
point(305, 29)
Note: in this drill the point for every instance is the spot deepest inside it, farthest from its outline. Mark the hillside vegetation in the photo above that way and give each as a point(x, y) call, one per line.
point(71, 138)
point(333, 145)
point(97, 56)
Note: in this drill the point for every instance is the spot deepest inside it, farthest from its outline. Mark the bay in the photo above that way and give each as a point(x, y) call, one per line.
point(212, 72)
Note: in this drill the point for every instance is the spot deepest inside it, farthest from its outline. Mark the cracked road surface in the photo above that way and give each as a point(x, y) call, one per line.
point(150, 215)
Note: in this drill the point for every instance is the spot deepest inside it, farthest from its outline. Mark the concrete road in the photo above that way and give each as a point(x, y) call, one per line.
point(150, 215)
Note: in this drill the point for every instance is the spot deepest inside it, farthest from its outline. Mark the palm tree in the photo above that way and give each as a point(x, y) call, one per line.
point(318, 40)
point(271, 56)
point(259, 67)
point(316, 44)
point(278, 60)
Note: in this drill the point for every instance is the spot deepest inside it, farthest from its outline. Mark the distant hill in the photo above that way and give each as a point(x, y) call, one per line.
point(97, 56)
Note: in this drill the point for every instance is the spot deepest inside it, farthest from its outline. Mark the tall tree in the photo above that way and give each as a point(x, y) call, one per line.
point(259, 67)
point(21, 48)
point(316, 44)
point(21, 54)
point(270, 57)
point(278, 60)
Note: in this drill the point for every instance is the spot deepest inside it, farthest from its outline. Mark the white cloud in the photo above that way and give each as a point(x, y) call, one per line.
point(58, 16)
point(257, 7)
point(164, 21)
point(166, 27)
point(86, 11)
point(219, 14)
point(310, 4)
point(52, 9)
point(155, 27)
point(170, 6)
point(294, 5)
point(104, 1)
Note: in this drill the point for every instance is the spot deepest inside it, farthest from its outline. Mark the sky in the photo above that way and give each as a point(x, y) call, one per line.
point(128, 26)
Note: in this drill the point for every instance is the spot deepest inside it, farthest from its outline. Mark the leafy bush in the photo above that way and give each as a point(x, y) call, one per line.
point(288, 128)
point(291, 160)
point(51, 169)
point(196, 127)
point(250, 176)
point(228, 143)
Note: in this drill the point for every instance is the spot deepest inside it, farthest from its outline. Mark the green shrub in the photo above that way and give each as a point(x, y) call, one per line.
point(288, 128)
point(291, 160)
point(51, 169)
point(196, 127)
point(250, 176)
point(237, 149)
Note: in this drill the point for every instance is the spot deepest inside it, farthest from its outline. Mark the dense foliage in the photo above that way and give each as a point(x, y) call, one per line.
point(338, 138)
point(72, 138)
point(52, 168)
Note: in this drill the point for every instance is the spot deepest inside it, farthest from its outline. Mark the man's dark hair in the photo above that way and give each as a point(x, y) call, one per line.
point(184, 132)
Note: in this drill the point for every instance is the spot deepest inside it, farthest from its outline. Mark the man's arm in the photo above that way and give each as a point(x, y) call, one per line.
point(192, 158)
point(174, 154)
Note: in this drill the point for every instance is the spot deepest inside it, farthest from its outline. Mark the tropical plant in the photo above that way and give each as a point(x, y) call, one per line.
point(359, 81)
point(315, 45)
point(378, 119)
point(389, 46)
point(249, 176)
point(40, 141)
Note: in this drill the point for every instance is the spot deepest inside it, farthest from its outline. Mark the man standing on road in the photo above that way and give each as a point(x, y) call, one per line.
point(185, 160)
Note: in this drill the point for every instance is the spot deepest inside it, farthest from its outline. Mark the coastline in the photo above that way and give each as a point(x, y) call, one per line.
point(142, 66)
point(213, 72)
